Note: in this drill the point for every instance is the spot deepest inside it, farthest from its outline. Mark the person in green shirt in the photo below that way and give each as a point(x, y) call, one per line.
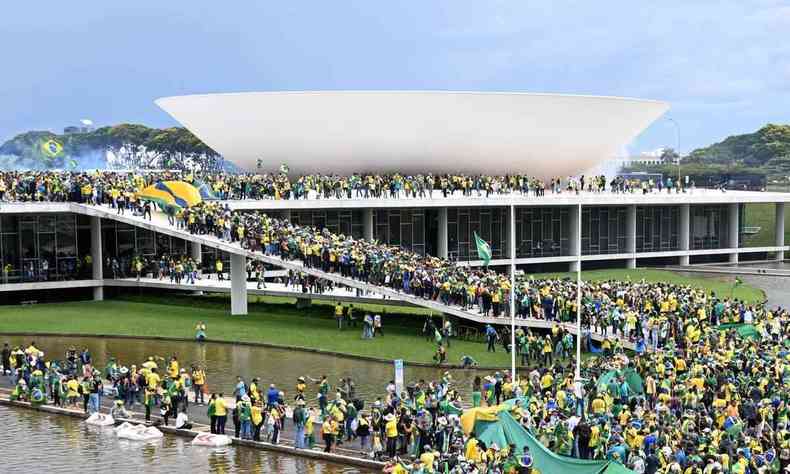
point(299, 419)
point(323, 391)
point(212, 412)
point(245, 416)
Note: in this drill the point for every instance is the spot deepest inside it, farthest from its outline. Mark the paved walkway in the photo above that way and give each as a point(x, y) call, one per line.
point(212, 284)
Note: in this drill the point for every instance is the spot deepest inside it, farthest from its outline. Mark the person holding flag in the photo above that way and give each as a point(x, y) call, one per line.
point(483, 250)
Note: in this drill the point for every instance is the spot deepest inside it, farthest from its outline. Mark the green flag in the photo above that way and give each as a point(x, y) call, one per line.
point(483, 249)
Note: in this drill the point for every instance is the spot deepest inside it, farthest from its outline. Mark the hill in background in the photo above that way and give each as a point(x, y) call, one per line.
point(764, 152)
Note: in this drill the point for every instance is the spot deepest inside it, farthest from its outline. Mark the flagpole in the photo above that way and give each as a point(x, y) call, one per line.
point(512, 286)
point(579, 300)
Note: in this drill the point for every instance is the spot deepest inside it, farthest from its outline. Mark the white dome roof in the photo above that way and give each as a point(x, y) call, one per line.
point(410, 132)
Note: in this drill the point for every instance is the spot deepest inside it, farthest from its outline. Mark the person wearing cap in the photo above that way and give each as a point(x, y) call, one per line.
point(150, 363)
point(428, 458)
point(391, 431)
point(198, 383)
point(309, 427)
point(255, 394)
point(273, 424)
point(245, 417)
point(299, 418)
point(301, 386)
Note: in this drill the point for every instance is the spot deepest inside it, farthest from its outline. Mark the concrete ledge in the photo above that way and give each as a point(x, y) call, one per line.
point(307, 453)
point(50, 285)
point(251, 290)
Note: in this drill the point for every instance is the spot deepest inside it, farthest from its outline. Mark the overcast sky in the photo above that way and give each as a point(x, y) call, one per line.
point(723, 65)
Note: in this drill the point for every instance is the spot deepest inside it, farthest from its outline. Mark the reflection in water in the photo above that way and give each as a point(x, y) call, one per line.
point(225, 361)
point(42, 442)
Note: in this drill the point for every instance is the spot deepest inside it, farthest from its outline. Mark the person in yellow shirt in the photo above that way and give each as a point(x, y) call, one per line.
point(395, 466)
point(427, 458)
point(73, 391)
point(221, 412)
point(339, 315)
point(256, 417)
point(329, 430)
point(546, 382)
point(391, 430)
point(309, 429)
point(198, 382)
point(150, 364)
point(472, 451)
point(598, 406)
point(153, 379)
point(173, 368)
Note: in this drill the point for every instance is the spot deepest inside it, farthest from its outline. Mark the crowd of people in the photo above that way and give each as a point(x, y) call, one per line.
point(713, 399)
point(122, 187)
point(627, 310)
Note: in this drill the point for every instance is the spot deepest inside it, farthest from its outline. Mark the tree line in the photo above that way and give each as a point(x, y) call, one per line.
point(124, 146)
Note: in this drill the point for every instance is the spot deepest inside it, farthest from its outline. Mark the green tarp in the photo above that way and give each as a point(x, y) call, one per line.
point(634, 381)
point(743, 330)
point(507, 431)
point(616, 468)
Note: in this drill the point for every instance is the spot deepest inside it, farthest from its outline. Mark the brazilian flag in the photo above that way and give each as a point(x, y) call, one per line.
point(51, 148)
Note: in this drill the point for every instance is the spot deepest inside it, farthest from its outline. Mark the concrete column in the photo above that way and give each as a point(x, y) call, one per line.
point(196, 254)
point(238, 285)
point(733, 231)
point(97, 269)
point(684, 231)
point(574, 236)
point(442, 243)
point(511, 241)
point(779, 223)
point(630, 235)
point(367, 223)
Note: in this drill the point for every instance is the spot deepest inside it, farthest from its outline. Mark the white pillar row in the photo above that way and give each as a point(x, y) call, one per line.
point(97, 269)
point(779, 223)
point(630, 235)
point(684, 231)
point(367, 223)
point(238, 285)
point(574, 237)
point(442, 243)
point(733, 231)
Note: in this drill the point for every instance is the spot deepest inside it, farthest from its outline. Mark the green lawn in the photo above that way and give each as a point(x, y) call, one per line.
point(722, 286)
point(270, 323)
point(764, 217)
point(278, 321)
